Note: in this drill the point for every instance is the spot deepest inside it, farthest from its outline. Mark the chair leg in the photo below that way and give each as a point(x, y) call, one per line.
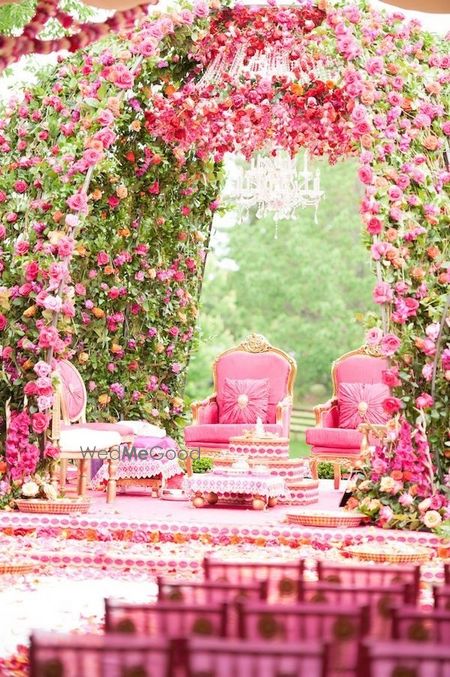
point(111, 489)
point(337, 474)
point(82, 477)
point(63, 473)
point(188, 464)
point(314, 467)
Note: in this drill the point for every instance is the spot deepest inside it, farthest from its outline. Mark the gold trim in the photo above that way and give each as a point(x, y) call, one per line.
point(256, 343)
point(197, 405)
point(363, 351)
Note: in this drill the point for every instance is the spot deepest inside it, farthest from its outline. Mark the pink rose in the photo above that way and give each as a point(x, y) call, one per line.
point(42, 369)
point(91, 157)
point(382, 293)
point(424, 401)
point(102, 258)
point(113, 201)
point(3, 322)
point(31, 389)
point(176, 367)
point(66, 246)
point(106, 136)
point(406, 500)
point(374, 336)
point(105, 117)
point(78, 202)
point(446, 128)
point(390, 377)
point(20, 186)
point(390, 344)
point(39, 422)
point(2, 231)
point(3, 196)
point(51, 452)
point(154, 188)
point(392, 405)
point(365, 175)
point(374, 226)
point(386, 513)
point(31, 271)
point(22, 247)
point(48, 337)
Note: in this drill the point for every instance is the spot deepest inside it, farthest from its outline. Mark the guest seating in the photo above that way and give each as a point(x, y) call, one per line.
point(403, 659)
point(55, 655)
point(358, 392)
point(341, 626)
point(421, 625)
point(442, 597)
point(282, 577)
point(447, 574)
point(380, 600)
point(252, 365)
point(166, 619)
point(206, 592)
point(369, 575)
point(235, 658)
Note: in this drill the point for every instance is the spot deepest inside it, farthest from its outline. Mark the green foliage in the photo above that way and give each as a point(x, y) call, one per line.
point(202, 465)
point(302, 290)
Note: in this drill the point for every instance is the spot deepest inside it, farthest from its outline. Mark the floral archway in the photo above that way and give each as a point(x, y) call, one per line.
point(110, 175)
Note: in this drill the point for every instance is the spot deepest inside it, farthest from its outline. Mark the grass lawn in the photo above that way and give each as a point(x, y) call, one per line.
point(298, 448)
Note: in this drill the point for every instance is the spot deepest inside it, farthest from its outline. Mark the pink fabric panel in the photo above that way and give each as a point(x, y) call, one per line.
point(145, 442)
point(361, 369)
point(123, 430)
point(208, 413)
point(335, 451)
point(222, 432)
point(244, 400)
point(352, 395)
point(339, 438)
point(242, 365)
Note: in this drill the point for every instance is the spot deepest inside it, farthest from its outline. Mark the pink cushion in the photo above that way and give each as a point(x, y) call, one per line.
point(361, 402)
point(123, 430)
point(339, 438)
point(242, 365)
point(243, 401)
point(221, 432)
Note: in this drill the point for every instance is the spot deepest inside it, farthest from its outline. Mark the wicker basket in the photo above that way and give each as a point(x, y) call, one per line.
point(420, 556)
point(19, 568)
point(61, 506)
point(320, 518)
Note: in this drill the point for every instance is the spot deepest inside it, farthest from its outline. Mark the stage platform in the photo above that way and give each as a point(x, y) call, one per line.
point(160, 535)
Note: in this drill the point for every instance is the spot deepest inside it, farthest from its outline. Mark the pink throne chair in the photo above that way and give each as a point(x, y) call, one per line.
point(253, 380)
point(358, 395)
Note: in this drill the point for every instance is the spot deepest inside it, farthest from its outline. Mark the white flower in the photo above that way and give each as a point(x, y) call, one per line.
point(424, 505)
point(50, 492)
point(387, 484)
point(30, 489)
point(365, 485)
point(432, 519)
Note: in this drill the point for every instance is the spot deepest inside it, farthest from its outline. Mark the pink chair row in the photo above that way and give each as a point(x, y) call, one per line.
point(403, 659)
point(55, 655)
point(442, 597)
point(209, 592)
point(283, 578)
point(421, 625)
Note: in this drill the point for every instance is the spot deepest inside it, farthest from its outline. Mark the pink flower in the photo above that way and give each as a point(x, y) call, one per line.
point(186, 17)
point(22, 247)
point(432, 331)
point(91, 157)
point(176, 367)
point(390, 344)
point(392, 405)
point(31, 389)
point(39, 422)
point(374, 226)
point(424, 401)
point(390, 377)
point(72, 220)
point(20, 186)
point(42, 369)
point(201, 9)
point(382, 293)
point(102, 258)
point(66, 246)
point(113, 201)
point(185, 211)
point(3, 322)
point(78, 202)
point(406, 500)
point(446, 128)
point(48, 337)
point(365, 174)
point(373, 336)
point(386, 513)
point(154, 188)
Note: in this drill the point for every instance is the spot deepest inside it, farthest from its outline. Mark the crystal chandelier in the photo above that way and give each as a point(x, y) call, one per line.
point(273, 184)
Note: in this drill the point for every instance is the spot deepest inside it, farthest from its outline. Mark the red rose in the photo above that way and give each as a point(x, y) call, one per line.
point(31, 389)
point(392, 405)
point(39, 422)
point(31, 271)
point(3, 322)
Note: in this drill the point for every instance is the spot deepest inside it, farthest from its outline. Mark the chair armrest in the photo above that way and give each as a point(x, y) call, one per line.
point(373, 430)
point(206, 411)
point(283, 414)
point(326, 414)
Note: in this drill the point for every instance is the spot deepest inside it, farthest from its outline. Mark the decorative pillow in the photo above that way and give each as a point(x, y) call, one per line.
point(361, 403)
point(243, 401)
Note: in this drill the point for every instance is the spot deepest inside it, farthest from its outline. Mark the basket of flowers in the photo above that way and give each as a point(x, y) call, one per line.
point(38, 496)
point(390, 553)
point(325, 518)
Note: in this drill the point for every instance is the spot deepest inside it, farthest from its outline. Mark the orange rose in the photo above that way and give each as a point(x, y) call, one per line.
point(81, 250)
point(83, 358)
point(124, 232)
point(169, 90)
point(3, 467)
point(430, 142)
point(116, 348)
point(104, 399)
point(108, 270)
point(57, 216)
point(297, 89)
point(417, 273)
point(30, 312)
point(98, 313)
point(96, 194)
point(397, 475)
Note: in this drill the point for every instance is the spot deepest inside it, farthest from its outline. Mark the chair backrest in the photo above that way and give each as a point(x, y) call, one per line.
point(54, 655)
point(282, 577)
point(227, 658)
point(369, 575)
point(73, 392)
point(380, 600)
point(342, 627)
point(403, 659)
point(358, 366)
point(255, 358)
point(206, 592)
point(447, 574)
point(420, 625)
point(166, 619)
point(442, 597)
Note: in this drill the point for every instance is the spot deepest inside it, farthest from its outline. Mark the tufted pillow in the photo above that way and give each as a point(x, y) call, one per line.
point(243, 401)
point(362, 403)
